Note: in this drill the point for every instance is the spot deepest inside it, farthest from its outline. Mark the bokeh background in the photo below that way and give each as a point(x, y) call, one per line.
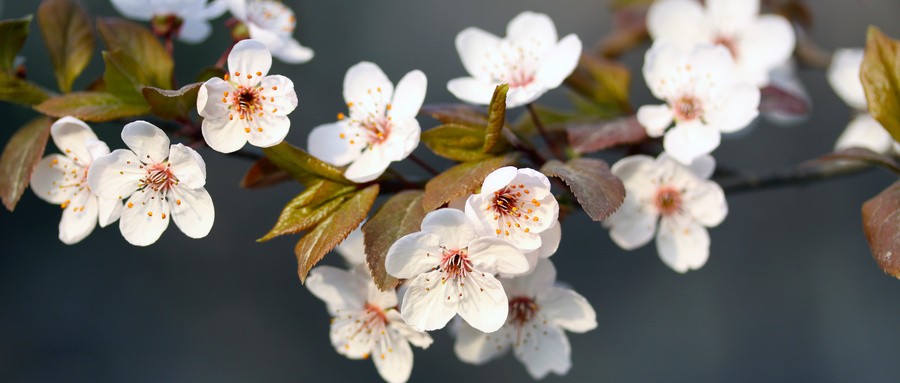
point(790, 292)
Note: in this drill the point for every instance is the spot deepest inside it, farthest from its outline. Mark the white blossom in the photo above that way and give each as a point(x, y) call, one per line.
point(273, 23)
point(194, 14)
point(681, 199)
point(450, 269)
point(538, 314)
point(158, 182)
point(381, 126)
point(702, 95)
point(530, 59)
point(366, 322)
point(863, 131)
point(758, 43)
point(62, 179)
point(515, 205)
point(248, 105)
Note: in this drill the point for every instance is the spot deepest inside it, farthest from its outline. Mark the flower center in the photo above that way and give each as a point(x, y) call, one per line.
point(245, 101)
point(512, 209)
point(374, 316)
point(377, 129)
point(687, 108)
point(520, 78)
point(728, 43)
point(668, 200)
point(455, 263)
point(521, 310)
point(159, 177)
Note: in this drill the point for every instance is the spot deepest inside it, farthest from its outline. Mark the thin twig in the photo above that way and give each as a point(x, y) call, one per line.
point(543, 132)
point(800, 175)
point(424, 165)
point(522, 144)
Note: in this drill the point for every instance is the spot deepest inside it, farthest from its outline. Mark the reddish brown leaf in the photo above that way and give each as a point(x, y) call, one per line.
point(399, 216)
point(264, 173)
point(20, 156)
point(590, 137)
point(778, 100)
point(881, 222)
point(598, 191)
point(862, 155)
point(461, 180)
point(456, 114)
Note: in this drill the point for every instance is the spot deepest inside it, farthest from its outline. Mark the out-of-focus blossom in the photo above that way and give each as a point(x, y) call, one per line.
point(272, 23)
point(193, 15)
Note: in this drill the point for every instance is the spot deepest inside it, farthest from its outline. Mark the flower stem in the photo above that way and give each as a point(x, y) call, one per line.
point(554, 148)
point(424, 165)
point(522, 144)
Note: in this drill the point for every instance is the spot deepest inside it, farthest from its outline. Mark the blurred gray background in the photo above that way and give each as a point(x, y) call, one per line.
point(790, 292)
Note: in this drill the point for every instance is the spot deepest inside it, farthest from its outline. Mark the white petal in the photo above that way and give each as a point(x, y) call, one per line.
point(413, 254)
point(703, 167)
point(524, 95)
point(687, 141)
point(735, 108)
point(730, 15)
point(117, 175)
point(144, 218)
point(330, 143)
point(96, 148)
point(471, 90)
point(631, 228)
point(133, 9)
point(79, 218)
point(682, 244)
point(636, 172)
point(533, 284)
point(678, 21)
point(194, 30)
point(409, 96)
point(70, 134)
point(249, 58)
point(348, 336)
point(339, 289)
point(429, 304)
point(269, 130)
point(149, 143)
point(662, 62)
point(51, 177)
point(475, 347)
point(361, 83)
point(706, 203)
point(494, 255)
point(195, 213)
point(567, 309)
point(452, 227)
point(550, 239)
point(370, 165)
point(865, 132)
point(483, 303)
point(767, 43)
point(419, 339)
point(498, 179)
point(536, 28)
point(544, 350)
point(559, 62)
point(224, 135)
point(187, 166)
point(475, 48)
point(209, 105)
point(280, 96)
point(109, 210)
point(843, 75)
point(655, 118)
point(352, 249)
point(290, 51)
point(394, 359)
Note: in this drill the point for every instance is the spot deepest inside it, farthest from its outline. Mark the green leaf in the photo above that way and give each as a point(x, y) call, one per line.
point(459, 114)
point(123, 77)
point(881, 222)
point(605, 83)
point(127, 39)
point(12, 36)
point(91, 106)
point(331, 231)
point(21, 154)
point(302, 166)
point(456, 142)
point(67, 34)
point(264, 173)
point(598, 191)
point(461, 180)
point(172, 104)
point(594, 136)
point(14, 89)
point(306, 210)
point(880, 76)
point(494, 143)
point(399, 216)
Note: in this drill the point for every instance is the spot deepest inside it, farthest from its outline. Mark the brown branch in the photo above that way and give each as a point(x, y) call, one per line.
point(800, 175)
point(554, 148)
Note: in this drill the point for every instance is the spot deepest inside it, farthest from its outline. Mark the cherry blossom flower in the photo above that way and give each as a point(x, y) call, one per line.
point(538, 314)
point(863, 131)
point(158, 182)
point(680, 198)
point(381, 127)
point(272, 23)
point(450, 270)
point(248, 105)
point(194, 15)
point(62, 179)
point(530, 59)
point(758, 43)
point(515, 205)
point(703, 98)
point(366, 322)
